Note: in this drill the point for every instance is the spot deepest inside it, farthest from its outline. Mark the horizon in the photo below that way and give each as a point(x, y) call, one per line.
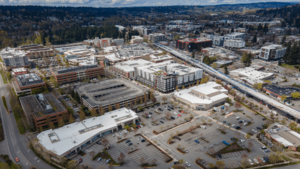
point(130, 3)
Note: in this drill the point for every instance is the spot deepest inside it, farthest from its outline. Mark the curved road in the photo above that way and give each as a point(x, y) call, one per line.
point(16, 143)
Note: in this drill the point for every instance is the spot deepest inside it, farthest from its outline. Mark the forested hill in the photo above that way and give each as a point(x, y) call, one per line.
point(291, 14)
point(63, 11)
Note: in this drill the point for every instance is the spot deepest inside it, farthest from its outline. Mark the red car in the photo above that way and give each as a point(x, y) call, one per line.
point(17, 159)
point(80, 160)
point(146, 114)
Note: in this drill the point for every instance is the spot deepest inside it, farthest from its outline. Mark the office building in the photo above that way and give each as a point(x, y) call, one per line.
point(234, 43)
point(18, 71)
point(272, 52)
point(41, 109)
point(126, 68)
point(193, 44)
point(202, 97)
point(166, 76)
point(79, 73)
point(26, 82)
point(136, 40)
point(104, 42)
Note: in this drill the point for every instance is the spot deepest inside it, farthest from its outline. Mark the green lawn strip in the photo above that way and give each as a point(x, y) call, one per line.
point(121, 140)
point(3, 77)
point(4, 102)
point(252, 109)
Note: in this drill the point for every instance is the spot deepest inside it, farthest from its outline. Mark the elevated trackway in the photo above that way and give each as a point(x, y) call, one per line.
point(239, 86)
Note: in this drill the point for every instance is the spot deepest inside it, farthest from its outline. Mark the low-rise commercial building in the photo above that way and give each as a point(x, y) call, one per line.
point(235, 35)
point(109, 93)
point(278, 91)
point(284, 136)
point(26, 82)
point(136, 40)
point(251, 76)
point(39, 53)
point(74, 74)
point(167, 75)
point(72, 138)
point(19, 71)
point(104, 42)
point(272, 52)
point(13, 58)
point(82, 61)
point(160, 58)
point(41, 109)
point(202, 97)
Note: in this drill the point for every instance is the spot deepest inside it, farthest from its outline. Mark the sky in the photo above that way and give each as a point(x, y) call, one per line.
point(126, 3)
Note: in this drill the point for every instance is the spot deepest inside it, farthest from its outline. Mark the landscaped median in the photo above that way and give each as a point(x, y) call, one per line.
point(4, 103)
point(233, 147)
point(105, 155)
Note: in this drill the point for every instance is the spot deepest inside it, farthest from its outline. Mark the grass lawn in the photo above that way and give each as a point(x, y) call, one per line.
point(288, 66)
point(3, 77)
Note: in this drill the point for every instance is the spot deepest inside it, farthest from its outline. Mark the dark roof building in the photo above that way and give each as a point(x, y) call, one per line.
point(26, 82)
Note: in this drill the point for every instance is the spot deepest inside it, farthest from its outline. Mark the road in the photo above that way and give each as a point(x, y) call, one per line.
point(293, 112)
point(16, 143)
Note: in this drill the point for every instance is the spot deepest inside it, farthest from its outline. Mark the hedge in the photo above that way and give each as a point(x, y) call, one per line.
point(133, 151)
point(121, 140)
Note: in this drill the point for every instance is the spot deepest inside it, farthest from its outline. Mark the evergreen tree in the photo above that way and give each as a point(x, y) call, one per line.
point(193, 54)
point(226, 70)
point(43, 39)
point(294, 55)
point(232, 30)
point(254, 40)
point(287, 53)
point(246, 59)
point(283, 24)
point(266, 28)
point(283, 40)
point(259, 28)
point(206, 60)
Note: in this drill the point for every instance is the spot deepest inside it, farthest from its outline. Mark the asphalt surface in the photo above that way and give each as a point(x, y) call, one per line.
point(16, 143)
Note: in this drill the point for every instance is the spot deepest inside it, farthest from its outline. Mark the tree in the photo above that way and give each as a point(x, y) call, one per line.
point(226, 70)
point(141, 100)
point(109, 107)
point(232, 30)
point(121, 158)
point(220, 164)
point(93, 112)
point(237, 105)
point(61, 122)
point(266, 28)
point(71, 118)
point(246, 59)
point(105, 142)
point(214, 65)
point(204, 80)
point(257, 86)
point(72, 164)
point(286, 56)
point(206, 60)
point(283, 97)
point(164, 99)
point(81, 115)
point(211, 165)
point(51, 125)
point(295, 95)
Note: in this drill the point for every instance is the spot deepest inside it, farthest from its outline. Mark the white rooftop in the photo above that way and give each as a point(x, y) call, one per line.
point(281, 140)
point(206, 89)
point(61, 140)
point(161, 57)
point(128, 66)
point(251, 75)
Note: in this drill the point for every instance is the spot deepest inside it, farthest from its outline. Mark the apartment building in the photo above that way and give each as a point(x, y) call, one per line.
point(272, 52)
point(13, 58)
point(156, 37)
point(234, 43)
point(74, 74)
point(43, 108)
point(167, 75)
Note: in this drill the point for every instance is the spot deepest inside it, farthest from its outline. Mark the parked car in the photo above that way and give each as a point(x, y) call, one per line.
point(80, 160)
point(163, 118)
point(129, 144)
point(264, 147)
point(107, 161)
point(256, 161)
point(237, 127)
point(150, 112)
point(237, 117)
point(264, 119)
point(240, 122)
point(176, 162)
point(219, 155)
point(187, 164)
point(127, 141)
point(224, 121)
point(17, 159)
point(259, 128)
point(146, 114)
point(251, 163)
point(99, 159)
point(143, 140)
point(242, 140)
point(197, 141)
point(161, 122)
point(263, 160)
point(233, 125)
point(173, 118)
point(266, 159)
point(255, 131)
point(246, 123)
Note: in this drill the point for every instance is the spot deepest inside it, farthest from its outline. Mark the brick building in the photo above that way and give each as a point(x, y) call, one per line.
point(74, 74)
point(42, 109)
point(193, 44)
point(26, 82)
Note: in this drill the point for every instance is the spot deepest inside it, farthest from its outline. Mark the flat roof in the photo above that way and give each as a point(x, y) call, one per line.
point(73, 69)
point(251, 75)
point(128, 66)
point(108, 92)
point(280, 90)
point(29, 79)
point(38, 105)
point(206, 89)
point(61, 140)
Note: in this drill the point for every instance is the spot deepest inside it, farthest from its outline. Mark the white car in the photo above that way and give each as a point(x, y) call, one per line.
point(232, 125)
point(246, 123)
point(263, 160)
point(256, 161)
point(255, 131)
point(242, 140)
point(187, 164)
point(250, 162)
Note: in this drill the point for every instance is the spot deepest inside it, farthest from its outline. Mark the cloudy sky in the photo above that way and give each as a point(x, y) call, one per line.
point(124, 3)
